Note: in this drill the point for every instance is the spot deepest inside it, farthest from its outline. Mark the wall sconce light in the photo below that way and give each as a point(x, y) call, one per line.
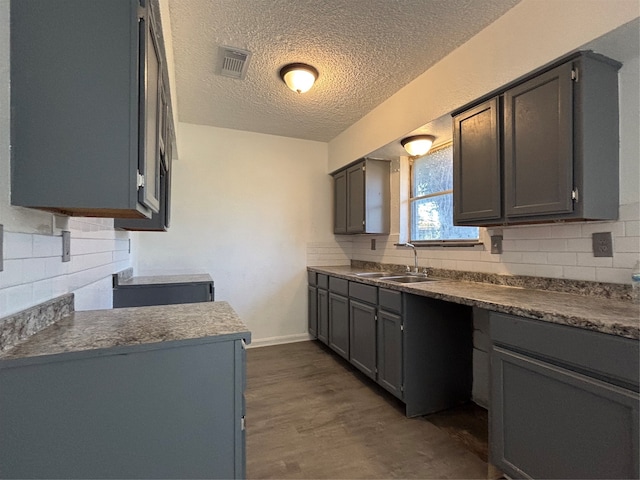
point(417, 145)
point(299, 77)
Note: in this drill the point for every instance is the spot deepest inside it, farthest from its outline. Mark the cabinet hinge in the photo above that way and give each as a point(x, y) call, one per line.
point(363, 223)
point(140, 180)
point(402, 388)
point(376, 318)
point(574, 74)
point(574, 195)
point(364, 168)
point(402, 327)
point(242, 423)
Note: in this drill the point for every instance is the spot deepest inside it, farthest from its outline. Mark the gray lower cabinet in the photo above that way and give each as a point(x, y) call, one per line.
point(312, 315)
point(362, 340)
point(339, 324)
point(323, 315)
point(417, 348)
point(564, 401)
point(542, 149)
point(165, 294)
point(170, 410)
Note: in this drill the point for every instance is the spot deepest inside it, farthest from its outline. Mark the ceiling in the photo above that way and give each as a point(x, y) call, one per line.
point(365, 51)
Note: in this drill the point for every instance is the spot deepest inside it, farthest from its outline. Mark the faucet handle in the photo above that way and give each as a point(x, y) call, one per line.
point(408, 268)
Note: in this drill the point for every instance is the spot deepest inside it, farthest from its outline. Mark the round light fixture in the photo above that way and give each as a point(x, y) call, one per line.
point(299, 77)
point(417, 145)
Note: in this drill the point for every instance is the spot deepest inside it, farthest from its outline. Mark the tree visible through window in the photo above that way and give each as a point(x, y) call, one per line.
point(431, 200)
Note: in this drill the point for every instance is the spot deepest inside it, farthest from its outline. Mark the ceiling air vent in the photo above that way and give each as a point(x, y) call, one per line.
point(233, 62)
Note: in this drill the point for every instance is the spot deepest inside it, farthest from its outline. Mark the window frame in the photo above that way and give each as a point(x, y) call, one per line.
point(411, 199)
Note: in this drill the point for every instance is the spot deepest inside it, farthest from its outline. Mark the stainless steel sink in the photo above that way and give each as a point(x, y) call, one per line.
point(408, 279)
point(373, 274)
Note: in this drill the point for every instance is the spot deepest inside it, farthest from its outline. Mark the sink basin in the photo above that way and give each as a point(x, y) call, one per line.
point(408, 279)
point(373, 274)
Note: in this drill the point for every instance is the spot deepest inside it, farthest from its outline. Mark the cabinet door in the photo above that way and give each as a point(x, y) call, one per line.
point(340, 202)
point(390, 352)
point(150, 114)
point(477, 184)
point(339, 324)
point(312, 311)
point(538, 144)
point(362, 335)
point(323, 316)
point(355, 199)
point(549, 422)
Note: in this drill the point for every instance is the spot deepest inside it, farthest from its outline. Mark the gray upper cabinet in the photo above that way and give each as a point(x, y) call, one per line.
point(86, 82)
point(477, 164)
point(542, 149)
point(362, 198)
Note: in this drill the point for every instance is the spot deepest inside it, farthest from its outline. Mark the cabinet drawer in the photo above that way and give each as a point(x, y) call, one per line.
point(366, 293)
point(311, 278)
point(390, 300)
point(322, 281)
point(339, 285)
point(608, 356)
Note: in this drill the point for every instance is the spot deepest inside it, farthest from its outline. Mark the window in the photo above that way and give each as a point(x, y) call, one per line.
point(431, 201)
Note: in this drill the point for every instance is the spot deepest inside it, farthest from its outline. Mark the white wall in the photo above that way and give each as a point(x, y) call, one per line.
point(245, 208)
point(33, 269)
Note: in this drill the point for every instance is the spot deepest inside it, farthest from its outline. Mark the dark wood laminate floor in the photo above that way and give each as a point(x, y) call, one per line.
point(310, 415)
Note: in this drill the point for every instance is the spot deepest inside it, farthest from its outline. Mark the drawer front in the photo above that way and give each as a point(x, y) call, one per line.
point(608, 356)
point(366, 293)
point(390, 300)
point(339, 285)
point(311, 278)
point(322, 281)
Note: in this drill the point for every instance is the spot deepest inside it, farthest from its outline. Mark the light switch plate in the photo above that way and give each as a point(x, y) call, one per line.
point(1, 248)
point(496, 244)
point(602, 244)
point(66, 246)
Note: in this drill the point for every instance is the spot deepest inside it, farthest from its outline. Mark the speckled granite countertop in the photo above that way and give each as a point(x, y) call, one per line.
point(96, 330)
point(604, 315)
point(164, 279)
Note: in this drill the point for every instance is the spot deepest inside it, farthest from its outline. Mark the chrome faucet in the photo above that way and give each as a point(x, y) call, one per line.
point(415, 256)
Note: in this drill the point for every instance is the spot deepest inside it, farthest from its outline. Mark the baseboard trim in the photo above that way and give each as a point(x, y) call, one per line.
point(265, 342)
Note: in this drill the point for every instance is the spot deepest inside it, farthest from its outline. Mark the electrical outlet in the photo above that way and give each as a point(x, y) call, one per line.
point(1, 248)
point(602, 244)
point(496, 244)
point(373, 244)
point(66, 246)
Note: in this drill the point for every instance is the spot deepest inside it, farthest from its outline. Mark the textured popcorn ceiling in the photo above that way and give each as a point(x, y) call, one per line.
point(365, 51)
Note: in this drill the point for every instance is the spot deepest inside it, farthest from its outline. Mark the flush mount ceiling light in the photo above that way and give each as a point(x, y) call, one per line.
point(299, 77)
point(417, 145)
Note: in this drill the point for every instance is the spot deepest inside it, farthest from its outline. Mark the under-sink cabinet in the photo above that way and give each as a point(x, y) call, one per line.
point(541, 149)
point(89, 83)
point(417, 348)
point(564, 401)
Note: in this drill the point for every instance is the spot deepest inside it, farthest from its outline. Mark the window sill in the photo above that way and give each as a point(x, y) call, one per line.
point(447, 243)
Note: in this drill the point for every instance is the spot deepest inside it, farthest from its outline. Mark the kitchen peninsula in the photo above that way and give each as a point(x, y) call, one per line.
point(146, 392)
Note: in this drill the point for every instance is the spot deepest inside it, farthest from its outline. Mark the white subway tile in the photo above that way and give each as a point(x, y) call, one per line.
point(521, 269)
point(54, 267)
point(579, 245)
point(630, 211)
point(12, 274)
point(613, 275)
point(18, 245)
point(553, 245)
point(551, 271)
point(47, 246)
point(627, 245)
point(33, 269)
point(632, 228)
point(625, 260)
point(580, 273)
point(588, 260)
point(534, 257)
point(524, 245)
point(616, 228)
point(567, 258)
point(566, 230)
point(512, 257)
point(16, 298)
point(43, 290)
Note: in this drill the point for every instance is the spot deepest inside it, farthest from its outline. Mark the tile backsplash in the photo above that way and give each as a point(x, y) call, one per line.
point(34, 271)
point(561, 250)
